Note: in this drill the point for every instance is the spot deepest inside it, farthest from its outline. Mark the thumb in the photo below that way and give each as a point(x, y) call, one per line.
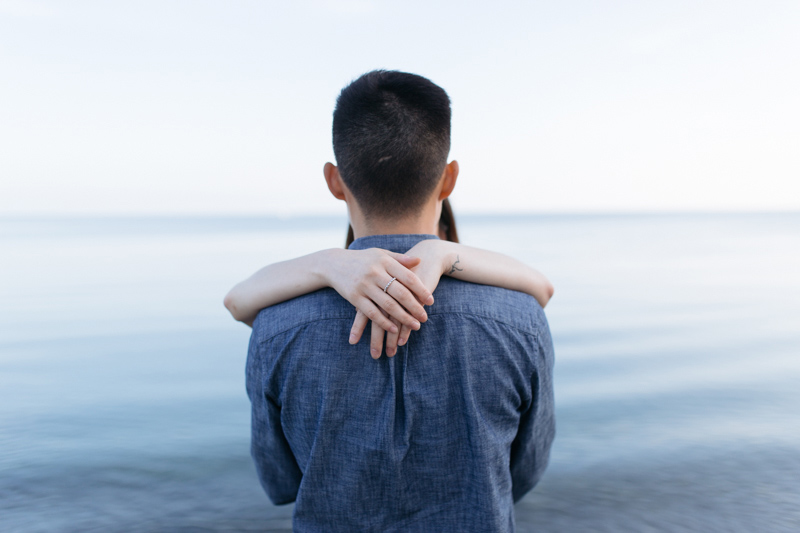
point(405, 260)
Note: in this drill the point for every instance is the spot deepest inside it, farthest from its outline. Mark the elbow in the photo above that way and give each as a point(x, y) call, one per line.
point(236, 312)
point(548, 293)
point(230, 305)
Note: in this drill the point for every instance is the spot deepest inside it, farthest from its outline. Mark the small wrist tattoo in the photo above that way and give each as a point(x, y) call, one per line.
point(454, 268)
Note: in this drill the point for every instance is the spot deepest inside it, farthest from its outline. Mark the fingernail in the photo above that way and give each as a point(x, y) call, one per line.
point(416, 325)
point(401, 342)
point(429, 301)
point(352, 338)
point(375, 353)
point(390, 353)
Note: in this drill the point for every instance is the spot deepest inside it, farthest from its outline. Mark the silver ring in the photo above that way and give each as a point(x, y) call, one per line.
point(386, 288)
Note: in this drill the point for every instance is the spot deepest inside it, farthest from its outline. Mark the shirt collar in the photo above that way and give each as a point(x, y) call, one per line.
point(394, 243)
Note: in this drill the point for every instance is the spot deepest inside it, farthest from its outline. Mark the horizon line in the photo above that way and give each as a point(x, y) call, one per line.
point(477, 214)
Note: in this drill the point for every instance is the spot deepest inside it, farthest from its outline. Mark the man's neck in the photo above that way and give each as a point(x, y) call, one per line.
point(424, 222)
point(375, 227)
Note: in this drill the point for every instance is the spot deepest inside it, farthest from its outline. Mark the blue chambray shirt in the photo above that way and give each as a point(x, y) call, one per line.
point(445, 436)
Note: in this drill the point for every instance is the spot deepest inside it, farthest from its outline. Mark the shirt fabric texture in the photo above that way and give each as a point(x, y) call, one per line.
point(444, 436)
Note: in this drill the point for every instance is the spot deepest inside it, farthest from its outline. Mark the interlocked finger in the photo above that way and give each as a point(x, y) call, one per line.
point(412, 283)
point(376, 340)
point(359, 323)
point(375, 314)
point(405, 332)
point(406, 298)
point(391, 307)
point(391, 341)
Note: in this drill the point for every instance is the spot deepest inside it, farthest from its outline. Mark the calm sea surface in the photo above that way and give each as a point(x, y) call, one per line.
point(122, 401)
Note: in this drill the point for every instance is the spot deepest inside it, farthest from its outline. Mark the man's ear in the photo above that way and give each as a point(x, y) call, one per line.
point(449, 178)
point(334, 180)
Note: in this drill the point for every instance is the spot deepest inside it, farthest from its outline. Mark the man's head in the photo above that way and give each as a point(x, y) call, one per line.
point(391, 138)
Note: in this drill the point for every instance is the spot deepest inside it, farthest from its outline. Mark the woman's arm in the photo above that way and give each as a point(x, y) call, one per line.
point(476, 265)
point(358, 275)
point(483, 266)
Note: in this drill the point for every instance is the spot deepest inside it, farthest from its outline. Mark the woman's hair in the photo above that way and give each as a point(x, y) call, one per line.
point(447, 222)
point(447, 225)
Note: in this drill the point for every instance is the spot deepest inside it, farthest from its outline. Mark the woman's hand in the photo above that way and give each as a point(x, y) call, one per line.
point(427, 261)
point(360, 276)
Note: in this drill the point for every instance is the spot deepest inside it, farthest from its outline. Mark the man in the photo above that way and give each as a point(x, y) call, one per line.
point(457, 426)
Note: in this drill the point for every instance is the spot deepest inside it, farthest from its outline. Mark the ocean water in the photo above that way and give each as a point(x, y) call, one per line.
point(677, 337)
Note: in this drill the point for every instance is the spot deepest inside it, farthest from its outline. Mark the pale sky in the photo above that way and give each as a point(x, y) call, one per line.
point(198, 107)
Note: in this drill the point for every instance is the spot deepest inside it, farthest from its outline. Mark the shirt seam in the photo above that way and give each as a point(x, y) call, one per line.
point(301, 324)
point(464, 313)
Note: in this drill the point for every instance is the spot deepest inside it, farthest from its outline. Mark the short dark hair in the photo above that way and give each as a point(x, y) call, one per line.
point(391, 138)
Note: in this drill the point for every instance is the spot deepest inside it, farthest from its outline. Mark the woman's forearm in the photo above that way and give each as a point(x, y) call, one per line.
point(359, 276)
point(491, 268)
point(277, 283)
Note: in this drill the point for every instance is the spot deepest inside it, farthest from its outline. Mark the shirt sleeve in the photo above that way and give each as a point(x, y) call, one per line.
point(275, 463)
point(530, 450)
